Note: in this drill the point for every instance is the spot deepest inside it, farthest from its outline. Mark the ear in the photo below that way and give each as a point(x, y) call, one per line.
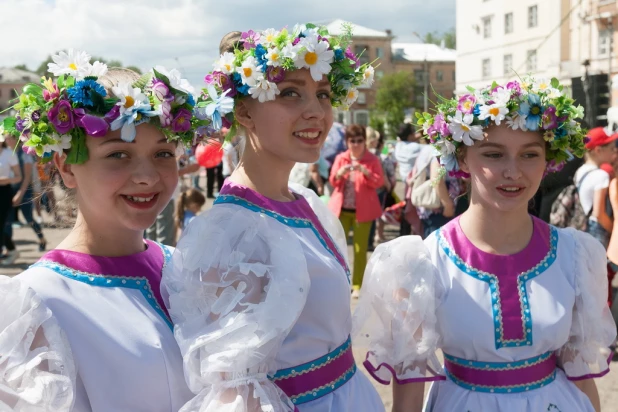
point(65, 170)
point(461, 159)
point(242, 113)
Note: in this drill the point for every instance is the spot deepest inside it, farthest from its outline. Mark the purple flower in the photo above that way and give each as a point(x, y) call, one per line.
point(549, 119)
point(21, 124)
point(165, 118)
point(93, 125)
point(514, 87)
point(227, 84)
point(225, 122)
point(51, 95)
point(466, 103)
point(552, 167)
point(459, 174)
point(439, 126)
point(350, 55)
point(160, 90)
point(586, 140)
point(296, 41)
point(61, 116)
point(36, 116)
point(250, 39)
point(29, 150)
point(112, 114)
point(275, 74)
point(182, 121)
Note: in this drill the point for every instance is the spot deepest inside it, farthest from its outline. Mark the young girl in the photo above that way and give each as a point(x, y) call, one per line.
point(10, 174)
point(259, 287)
point(85, 328)
point(188, 206)
point(518, 307)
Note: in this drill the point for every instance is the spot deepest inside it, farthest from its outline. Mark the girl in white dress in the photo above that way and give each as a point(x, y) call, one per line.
point(517, 307)
point(85, 328)
point(259, 288)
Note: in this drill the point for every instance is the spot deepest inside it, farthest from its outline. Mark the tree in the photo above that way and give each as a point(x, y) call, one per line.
point(435, 37)
point(42, 69)
point(135, 69)
point(395, 94)
point(22, 67)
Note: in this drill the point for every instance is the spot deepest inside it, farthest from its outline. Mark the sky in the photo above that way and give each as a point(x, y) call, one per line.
point(185, 34)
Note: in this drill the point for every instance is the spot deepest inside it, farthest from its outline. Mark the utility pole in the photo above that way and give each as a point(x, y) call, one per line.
point(610, 45)
point(425, 75)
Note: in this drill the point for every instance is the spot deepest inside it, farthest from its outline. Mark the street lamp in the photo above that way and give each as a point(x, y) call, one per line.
point(425, 75)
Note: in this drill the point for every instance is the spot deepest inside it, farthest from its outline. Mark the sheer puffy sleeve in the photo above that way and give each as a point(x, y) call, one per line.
point(396, 314)
point(37, 372)
point(586, 354)
point(236, 286)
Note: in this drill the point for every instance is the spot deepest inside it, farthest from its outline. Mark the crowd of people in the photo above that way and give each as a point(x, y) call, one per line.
point(251, 310)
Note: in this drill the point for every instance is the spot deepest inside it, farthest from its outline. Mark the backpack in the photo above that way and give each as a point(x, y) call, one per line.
point(567, 210)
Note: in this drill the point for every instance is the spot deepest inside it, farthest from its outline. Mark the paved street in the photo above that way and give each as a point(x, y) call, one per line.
point(28, 246)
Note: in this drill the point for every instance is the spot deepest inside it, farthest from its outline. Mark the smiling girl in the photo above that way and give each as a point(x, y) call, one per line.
point(518, 307)
point(85, 328)
point(263, 318)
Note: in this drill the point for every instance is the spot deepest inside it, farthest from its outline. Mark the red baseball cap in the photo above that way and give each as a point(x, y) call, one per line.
point(598, 137)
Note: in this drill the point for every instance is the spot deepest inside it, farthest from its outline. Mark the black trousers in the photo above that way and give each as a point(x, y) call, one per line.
point(213, 173)
point(6, 207)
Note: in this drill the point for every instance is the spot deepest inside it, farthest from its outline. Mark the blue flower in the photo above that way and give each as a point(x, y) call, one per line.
point(240, 87)
point(533, 111)
point(477, 110)
point(82, 92)
point(190, 100)
point(339, 55)
point(260, 55)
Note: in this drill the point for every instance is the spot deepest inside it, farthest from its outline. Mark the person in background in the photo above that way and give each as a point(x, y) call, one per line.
point(231, 155)
point(355, 176)
point(10, 174)
point(593, 182)
point(188, 205)
point(407, 150)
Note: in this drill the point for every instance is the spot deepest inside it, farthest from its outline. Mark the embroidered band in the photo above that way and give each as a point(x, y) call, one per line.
point(502, 377)
point(319, 377)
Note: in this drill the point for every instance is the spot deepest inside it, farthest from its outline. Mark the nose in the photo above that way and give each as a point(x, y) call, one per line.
point(314, 109)
point(145, 173)
point(512, 170)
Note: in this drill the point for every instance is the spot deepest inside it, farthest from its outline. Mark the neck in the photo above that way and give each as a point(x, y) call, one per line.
point(100, 241)
point(265, 173)
point(591, 161)
point(357, 155)
point(479, 224)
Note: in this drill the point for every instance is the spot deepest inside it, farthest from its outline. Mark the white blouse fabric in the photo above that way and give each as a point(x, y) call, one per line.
point(258, 286)
point(101, 324)
point(549, 300)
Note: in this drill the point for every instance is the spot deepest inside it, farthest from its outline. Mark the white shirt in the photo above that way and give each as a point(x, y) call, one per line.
point(8, 159)
point(593, 179)
point(406, 154)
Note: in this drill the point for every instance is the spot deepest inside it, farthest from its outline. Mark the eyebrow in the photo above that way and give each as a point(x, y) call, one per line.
point(119, 140)
point(501, 146)
point(301, 82)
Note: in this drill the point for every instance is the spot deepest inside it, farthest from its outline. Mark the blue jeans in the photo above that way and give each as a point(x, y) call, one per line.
point(597, 231)
point(26, 210)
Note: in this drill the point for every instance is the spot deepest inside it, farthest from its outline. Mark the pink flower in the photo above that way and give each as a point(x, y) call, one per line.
point(466, 103)
point(549, 119)
point(61, 116)
point(439, 126)
point(165, 118)
point(160, 90)
point(275, 74)
point(182, 121)
point(515, 87)
point(51, 95)
point(250, 39)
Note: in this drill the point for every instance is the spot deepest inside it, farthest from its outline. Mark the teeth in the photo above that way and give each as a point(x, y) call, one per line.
point(140, 199)
point(511, 189)
point(307, 135)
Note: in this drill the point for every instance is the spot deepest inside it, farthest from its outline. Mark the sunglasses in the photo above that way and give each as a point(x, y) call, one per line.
point(356, 141)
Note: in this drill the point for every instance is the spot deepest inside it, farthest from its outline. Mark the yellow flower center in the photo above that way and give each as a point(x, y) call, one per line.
point(465, 128)
point(270, 38)
point(467, 105)
point(138, 117)
point(180, 120)
point(351, 94)
point(73, 66)
point(247, 71)
point(274, 57)
point(543, 86)
point(494, 111)
point(228, 67)
point(311, 58)
point(128, 102)
point(535, 110)
point(62, 115)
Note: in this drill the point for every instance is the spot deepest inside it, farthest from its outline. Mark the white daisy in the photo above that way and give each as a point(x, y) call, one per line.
point(61, 144)
point(97, 69)
point(249, 71)
point(368, 76)
point(176, 81)
point(541, 85)
point(131, 98)
point(497, 112)
point(501, 95)
point(517, 121)
point(462, 130)
point(273, 57)
point(351, 96)
point(75, 63)
point(225, 64)
point(479, 97)
point(268, 36)
point(264, 90)
point(315, 56)
point(290, 51)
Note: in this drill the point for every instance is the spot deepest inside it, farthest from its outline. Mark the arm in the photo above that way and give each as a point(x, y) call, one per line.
point(447, 203)
point(408, 397)
point(337, 173)
point(192, 168)
point(590, 389)
point(25, 183)
point(316, 178)
point(598, 209)
point(372, 174)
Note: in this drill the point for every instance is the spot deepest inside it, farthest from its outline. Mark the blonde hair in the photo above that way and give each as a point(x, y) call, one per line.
point(117, 75)
point(229, 42)
point(372, 134)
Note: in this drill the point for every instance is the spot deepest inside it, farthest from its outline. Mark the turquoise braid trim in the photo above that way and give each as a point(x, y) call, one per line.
point(499, 366)
point(493, 281)
point(108, 281)
point(288, 221)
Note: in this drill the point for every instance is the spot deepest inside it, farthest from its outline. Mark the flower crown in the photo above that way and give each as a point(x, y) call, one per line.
point(530, 105)
point(57, 114)
point(256, 68)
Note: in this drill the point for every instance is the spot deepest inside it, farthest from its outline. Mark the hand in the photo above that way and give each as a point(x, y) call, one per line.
point(363, 169)
point(344, 171)
point(19, 196)
point(321, 191)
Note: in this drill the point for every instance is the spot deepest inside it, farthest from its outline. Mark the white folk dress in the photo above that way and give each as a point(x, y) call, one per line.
point(260, 297)
point(82, 333)
point(515, 330)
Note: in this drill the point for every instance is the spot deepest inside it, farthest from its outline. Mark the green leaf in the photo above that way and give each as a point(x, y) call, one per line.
point(33, 89)
point(98, 102)
point(60, 82)
point(310, 26)
point(9, 124)
point(555, 83)
point(232, 132)
point(145, 78)
point(471, 89)
point(78, 153)
point(70, 82)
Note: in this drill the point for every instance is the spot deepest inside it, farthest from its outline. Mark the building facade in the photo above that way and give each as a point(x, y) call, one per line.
point(11, 83)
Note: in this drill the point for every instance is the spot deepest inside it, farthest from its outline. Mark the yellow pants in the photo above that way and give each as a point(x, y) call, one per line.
point(361, 240)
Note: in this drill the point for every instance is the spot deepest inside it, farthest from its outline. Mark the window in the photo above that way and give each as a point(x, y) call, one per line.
point(508, 64)
point(341, 117)
point(486, 68)
point(531, 60)
point(439, 76)
point(419, 98)
point(362, 98)
point(486, 27)
point(361, 117)
point(508, 23)
point(532, 17)
point(604, 42)
point(419, 76)
point(379, 52)
point(453, 75)
point(363, 51)
point(13, 94)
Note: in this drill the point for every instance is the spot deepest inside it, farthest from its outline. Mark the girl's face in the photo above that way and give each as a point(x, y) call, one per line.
point(124, 185)
point(506, 168)
point(292, 127)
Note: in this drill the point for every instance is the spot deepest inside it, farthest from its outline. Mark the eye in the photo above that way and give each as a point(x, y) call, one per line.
point(531, 155)
point(117, 155)
point(492, 155)
point(165, 154)
point(290, 93)
point(324, 95)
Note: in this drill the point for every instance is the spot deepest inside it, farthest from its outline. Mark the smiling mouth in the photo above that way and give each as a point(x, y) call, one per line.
point(511, 189)
point(307, 135)
point(140, 199)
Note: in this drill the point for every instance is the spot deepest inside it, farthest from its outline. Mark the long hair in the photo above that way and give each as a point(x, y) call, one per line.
point(187, 197)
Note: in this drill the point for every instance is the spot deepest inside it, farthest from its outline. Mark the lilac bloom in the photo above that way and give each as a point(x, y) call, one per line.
point(61, 116)
point(466, 103)
point(250, 39)
point(550, 120)
point(182, 121)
